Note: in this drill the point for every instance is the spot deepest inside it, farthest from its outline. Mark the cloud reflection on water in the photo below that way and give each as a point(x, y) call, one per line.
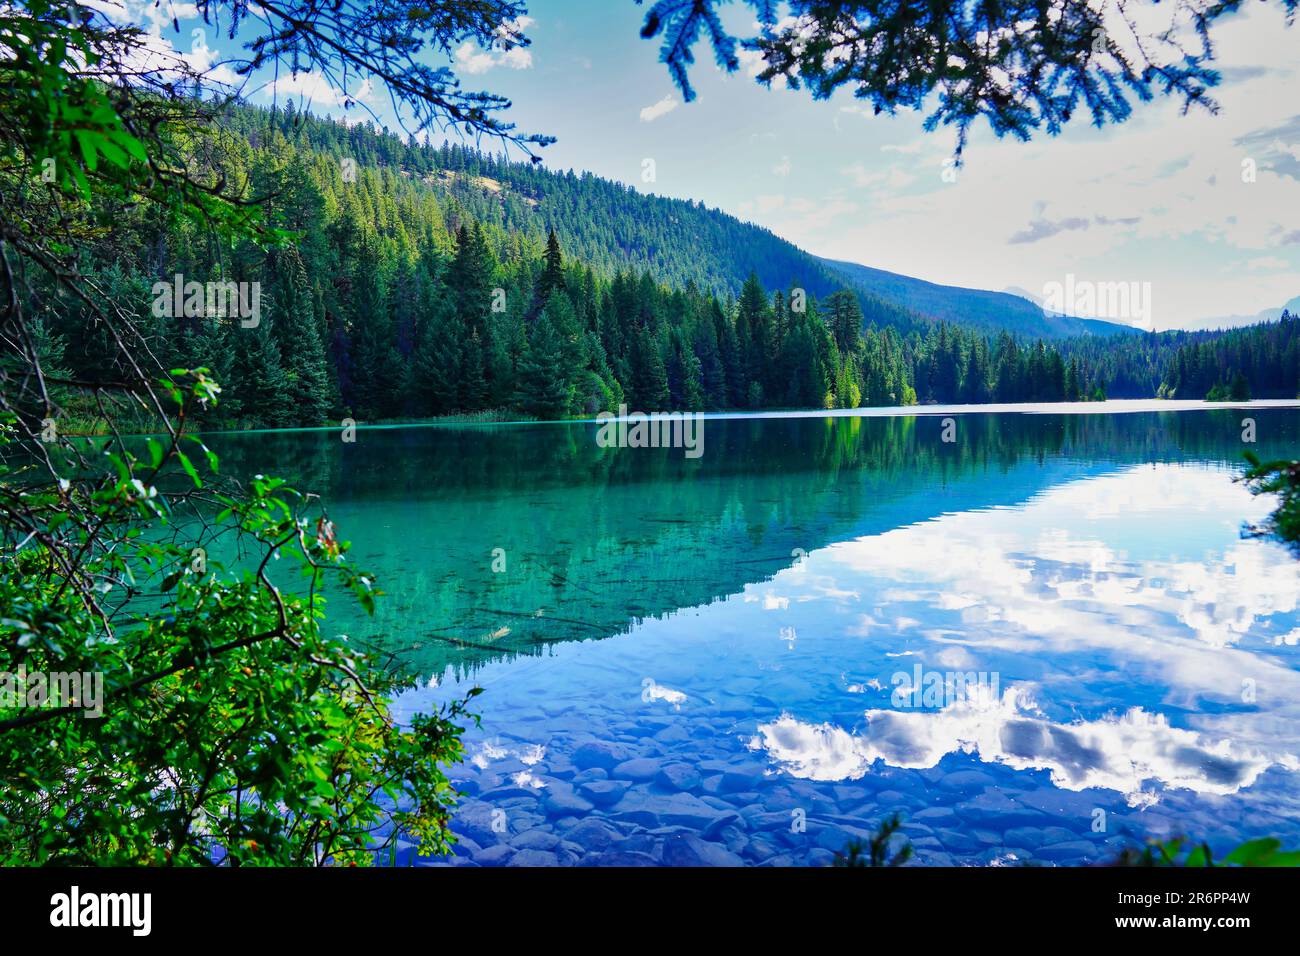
point(1080, 583)
point(1123, 753)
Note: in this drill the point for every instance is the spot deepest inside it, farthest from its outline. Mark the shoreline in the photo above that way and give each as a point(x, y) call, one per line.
point(1119, 406)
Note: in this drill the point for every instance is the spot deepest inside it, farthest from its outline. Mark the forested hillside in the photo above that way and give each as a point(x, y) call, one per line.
point(604, 224)
point(422, 281)
point(978, 308)
point(612, 227)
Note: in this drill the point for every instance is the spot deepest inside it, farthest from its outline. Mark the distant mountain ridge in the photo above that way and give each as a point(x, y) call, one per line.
point(978, 308)
point(1238, 321)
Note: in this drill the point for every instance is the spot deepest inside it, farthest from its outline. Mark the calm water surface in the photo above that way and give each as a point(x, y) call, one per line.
point(702, 661)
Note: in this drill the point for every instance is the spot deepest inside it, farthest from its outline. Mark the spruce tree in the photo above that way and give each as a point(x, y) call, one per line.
point(648, 386)
point(552, 277)
point(473, 379)
point(733, 365)
point(1240, 390)
point(544, 389)
point(754, 316)
point(259, 380)
point(435, 371)
point(470, 279)
point(375, 363)
point(308, 385)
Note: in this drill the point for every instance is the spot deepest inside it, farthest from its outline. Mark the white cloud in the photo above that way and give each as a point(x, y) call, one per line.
point(518, 58)
point(1079, 580)
point(908, 149)
point(1125, 753)
point(1048, 587)
point(801, 212)
point(784, 167)
point(519, 25)
point(470, 58)
point(1173, 183)
point(889, 178)
point(473, 59)
point(529, 755)
point(665, 106)
point(159, 50)
point(526, 778)
point(751, 62)
point(305, 87)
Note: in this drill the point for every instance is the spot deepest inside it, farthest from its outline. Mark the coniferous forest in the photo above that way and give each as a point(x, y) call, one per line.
point(431, 281)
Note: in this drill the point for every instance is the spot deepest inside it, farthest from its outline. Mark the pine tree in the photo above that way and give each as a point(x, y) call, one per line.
point(374, 372)
point(974, 383)
point(733, 365)
point(806, 380)
point(1240, 390)
point(307, 382)
point(713, 377)
point(435, 370)
point(505, 344)
point(544, 389)
point(845, 321)
point(258, 378)
point(647, 389)
point(470, 279)
point(944, 363)
point(473, 380)
point(754, 317)
point(552, 277)
point(599, 390)
point(848, 393)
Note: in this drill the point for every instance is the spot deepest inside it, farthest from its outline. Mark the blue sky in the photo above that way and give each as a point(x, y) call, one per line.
point(1159, 200)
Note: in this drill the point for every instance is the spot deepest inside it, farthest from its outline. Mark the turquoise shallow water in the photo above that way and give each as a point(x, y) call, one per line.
point(707, 661)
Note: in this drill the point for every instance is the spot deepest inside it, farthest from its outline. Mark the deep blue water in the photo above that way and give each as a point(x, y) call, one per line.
point(702, 662)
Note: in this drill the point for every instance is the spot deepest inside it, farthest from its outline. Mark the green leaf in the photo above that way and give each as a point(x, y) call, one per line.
point(1253, 852)
point(132, 145)
point(1283, 858)
point(114, 154)
point(189, 468)
point(1200, 856)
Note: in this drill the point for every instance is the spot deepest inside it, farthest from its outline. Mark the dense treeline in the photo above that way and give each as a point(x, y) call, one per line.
point(397, 300)
point(1262, 361)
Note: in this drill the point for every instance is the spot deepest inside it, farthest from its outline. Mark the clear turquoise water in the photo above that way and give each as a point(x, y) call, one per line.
point(696, 661)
